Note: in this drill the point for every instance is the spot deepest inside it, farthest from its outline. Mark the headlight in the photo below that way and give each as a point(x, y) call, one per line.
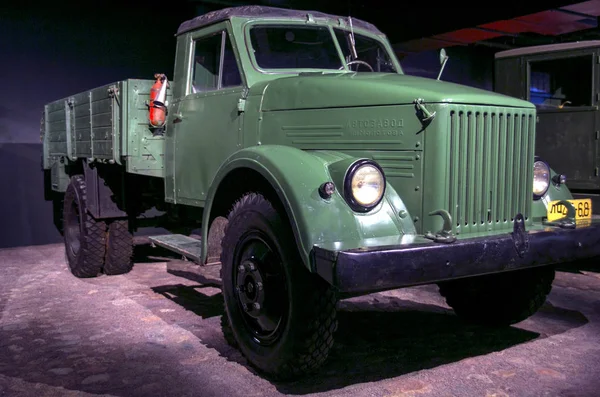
point(541, 179)
point(364, 185)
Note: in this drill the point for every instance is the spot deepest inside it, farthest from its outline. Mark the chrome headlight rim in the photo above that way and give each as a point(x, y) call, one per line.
point(349, 196)
point(537, 196)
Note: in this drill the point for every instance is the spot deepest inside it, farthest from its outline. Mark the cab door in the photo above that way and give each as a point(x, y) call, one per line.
point(205, 124)
point(564, 89)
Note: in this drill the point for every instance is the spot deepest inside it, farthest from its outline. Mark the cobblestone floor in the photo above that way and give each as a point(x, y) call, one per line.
point(156, 332)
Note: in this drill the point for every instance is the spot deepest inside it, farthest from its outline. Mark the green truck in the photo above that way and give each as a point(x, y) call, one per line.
point(317, 171)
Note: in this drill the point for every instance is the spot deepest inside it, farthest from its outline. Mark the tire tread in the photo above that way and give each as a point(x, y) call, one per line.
point(93, 236)
point(119, 248)
point(318, 314)
point(501, 299)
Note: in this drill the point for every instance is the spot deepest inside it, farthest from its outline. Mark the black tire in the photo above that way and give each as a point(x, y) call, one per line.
point(85, 237)
point(291, 333)
point(58, 205)
point(119, 248)
point(499, 299)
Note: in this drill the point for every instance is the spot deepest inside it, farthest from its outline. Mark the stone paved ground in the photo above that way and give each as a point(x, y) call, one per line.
point(155, 332)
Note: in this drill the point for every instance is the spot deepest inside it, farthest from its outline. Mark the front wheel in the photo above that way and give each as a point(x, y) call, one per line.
point(499, 299)
point(277, 313)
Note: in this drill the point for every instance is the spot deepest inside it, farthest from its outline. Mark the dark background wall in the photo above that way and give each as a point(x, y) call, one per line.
point(468, 65)
point(54, 50)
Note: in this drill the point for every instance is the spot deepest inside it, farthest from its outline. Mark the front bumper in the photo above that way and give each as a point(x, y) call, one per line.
point(365, 270)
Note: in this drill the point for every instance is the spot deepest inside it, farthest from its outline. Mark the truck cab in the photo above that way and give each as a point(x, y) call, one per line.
point(227, 64)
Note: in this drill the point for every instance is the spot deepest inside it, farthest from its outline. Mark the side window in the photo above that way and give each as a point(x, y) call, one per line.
point(231, 73)
point(561, 83)
point(207, 74)
point(207, 54)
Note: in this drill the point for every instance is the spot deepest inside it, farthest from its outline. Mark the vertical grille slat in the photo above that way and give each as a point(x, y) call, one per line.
point(530, 154)
point(495, 160)
point(490, 167)
point(462, 169)
point(479, 182)
point(501, 217)
point(454, 172)
point(520, 161)
point(524, 163)
point(509, 171)
point(487, 175)
point(471, 169)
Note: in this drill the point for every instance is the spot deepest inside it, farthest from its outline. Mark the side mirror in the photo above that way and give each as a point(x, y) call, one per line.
point(443, 60)
point(443, 56)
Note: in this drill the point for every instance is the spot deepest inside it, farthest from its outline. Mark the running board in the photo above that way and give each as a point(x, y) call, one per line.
point(186, 246)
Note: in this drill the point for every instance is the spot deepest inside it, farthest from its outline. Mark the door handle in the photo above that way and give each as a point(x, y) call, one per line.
point(177, 118)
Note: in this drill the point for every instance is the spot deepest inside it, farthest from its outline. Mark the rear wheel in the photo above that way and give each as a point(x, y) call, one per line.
point(119, 248)
point(85, 237)
point(277, 313)
point(58, 204)
point(499, 299)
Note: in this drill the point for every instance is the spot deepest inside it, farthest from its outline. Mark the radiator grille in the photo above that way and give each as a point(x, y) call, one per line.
point(490, 167)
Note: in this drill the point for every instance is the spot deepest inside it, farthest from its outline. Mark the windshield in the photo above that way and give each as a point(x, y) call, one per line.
point(293, 47)
point(313, 47)
point(368, 50)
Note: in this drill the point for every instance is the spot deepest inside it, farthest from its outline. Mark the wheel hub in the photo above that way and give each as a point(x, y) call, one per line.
point(250, 287)
point(260, 288)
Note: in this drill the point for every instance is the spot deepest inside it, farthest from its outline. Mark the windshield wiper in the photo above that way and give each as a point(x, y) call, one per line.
point(352, 41)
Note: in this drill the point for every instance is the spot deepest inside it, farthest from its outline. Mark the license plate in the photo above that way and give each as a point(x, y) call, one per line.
point(583, 210)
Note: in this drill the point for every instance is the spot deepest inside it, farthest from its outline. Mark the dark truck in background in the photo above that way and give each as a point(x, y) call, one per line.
point(563, 81)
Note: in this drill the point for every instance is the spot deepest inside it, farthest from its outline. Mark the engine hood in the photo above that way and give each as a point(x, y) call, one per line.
point(310, 91)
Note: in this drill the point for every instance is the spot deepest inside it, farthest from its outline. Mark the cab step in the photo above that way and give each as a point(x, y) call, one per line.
point(186, 246)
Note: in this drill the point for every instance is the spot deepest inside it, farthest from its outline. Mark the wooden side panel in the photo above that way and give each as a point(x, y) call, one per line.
point(85, 125)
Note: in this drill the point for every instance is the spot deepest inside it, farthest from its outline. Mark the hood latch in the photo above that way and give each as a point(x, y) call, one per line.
point(424, 115)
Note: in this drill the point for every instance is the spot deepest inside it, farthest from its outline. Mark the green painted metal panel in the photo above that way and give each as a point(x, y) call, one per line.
point(143, 148)
point(297, 174)
point(209, 132)
point(316, 91)
point(403, 170)
point(486, 178)
point(555, 192)
point(55, 124)
point(108, 123)
point(204, 128)
point(84, 125)
point(381, 127)
point(178, 91)
point(101, 123)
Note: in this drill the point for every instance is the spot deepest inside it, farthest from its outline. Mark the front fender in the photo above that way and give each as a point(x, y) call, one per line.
point(296, 176)
point(555, 192)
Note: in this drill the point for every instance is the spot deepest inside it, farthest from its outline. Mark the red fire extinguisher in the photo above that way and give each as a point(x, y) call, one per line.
point(158, 96)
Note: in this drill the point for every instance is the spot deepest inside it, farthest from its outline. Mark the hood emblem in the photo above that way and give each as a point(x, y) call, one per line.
point(424, 115)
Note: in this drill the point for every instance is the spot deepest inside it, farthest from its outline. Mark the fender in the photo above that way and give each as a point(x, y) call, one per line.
point(296, 176)
point(555, 192)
